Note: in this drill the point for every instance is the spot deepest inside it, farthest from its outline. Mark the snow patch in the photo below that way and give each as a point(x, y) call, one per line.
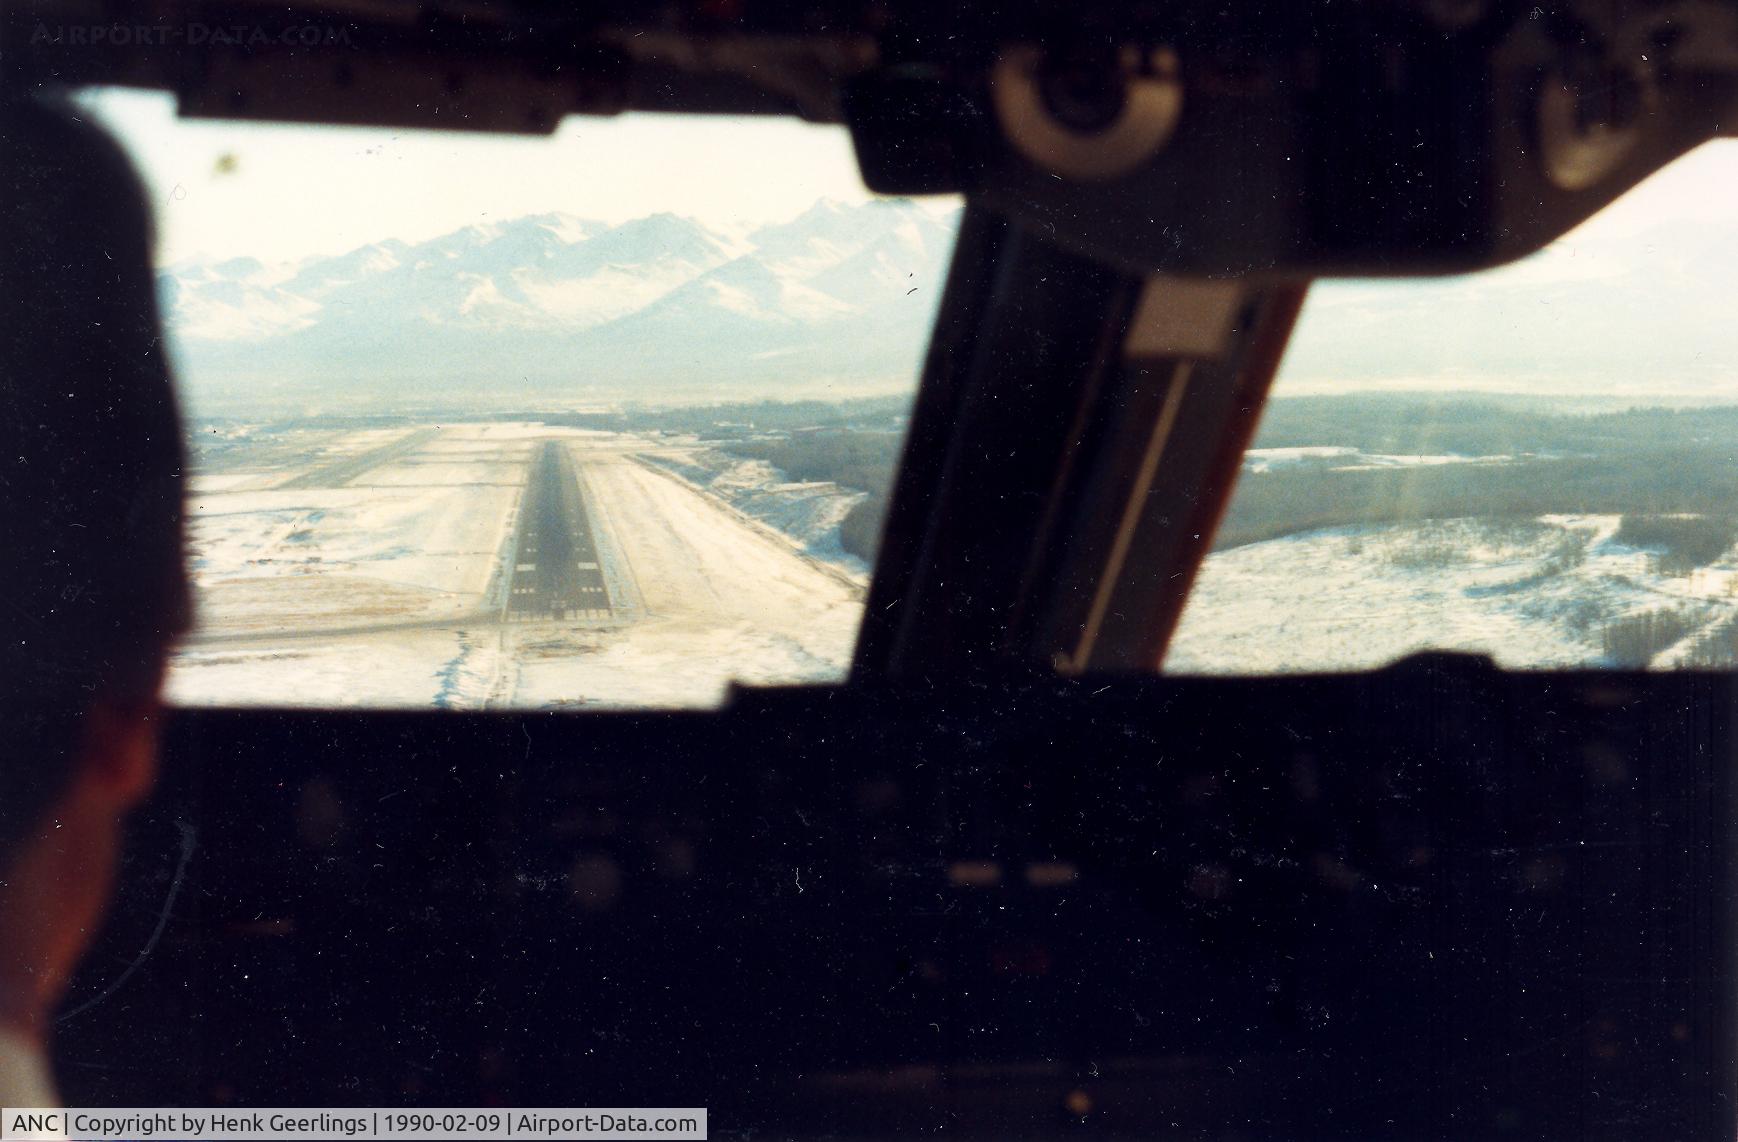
point(808, 513)
point(1534, 593)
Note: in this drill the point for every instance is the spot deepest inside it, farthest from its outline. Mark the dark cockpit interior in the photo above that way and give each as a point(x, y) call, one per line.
point(1001, 878)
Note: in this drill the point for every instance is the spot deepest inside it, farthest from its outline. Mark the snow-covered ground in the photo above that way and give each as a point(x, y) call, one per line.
point(1532, 593)
point(369, 569)
point(414, 538)
point(407, 667)
point(1340, 458)
point(721, 599)
point(809, 513)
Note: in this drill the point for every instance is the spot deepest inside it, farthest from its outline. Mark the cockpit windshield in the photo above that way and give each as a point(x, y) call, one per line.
point(1538, 462)
point(605, 419)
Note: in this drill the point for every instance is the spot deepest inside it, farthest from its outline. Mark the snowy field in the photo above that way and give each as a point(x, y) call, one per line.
point(371, 568)
point(1538, 593)
point(1344, 459)
point(719, 596)
point(807, 512)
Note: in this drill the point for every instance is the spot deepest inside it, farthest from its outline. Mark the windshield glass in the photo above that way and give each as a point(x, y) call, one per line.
point(1539, 463)
point(606, 419)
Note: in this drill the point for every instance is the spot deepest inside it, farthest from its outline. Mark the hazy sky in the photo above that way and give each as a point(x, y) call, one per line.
point(1636, 303)
point(280, 192)
point(1635, 306)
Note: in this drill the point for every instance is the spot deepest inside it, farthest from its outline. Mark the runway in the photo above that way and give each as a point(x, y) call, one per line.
point(557, 573)
point(341, 471)
point(499, 565)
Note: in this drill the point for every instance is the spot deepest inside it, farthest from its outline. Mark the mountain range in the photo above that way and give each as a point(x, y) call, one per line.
point(556, 309)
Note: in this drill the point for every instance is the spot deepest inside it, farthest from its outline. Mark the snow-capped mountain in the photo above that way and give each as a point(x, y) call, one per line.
point(555, 306)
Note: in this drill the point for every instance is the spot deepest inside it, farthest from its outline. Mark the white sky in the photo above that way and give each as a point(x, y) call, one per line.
point(1702, 187)
point(1633, 306)
point(299, 190)
point(296, 190)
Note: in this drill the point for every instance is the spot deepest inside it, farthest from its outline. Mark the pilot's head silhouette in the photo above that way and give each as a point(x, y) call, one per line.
point(93, 589)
